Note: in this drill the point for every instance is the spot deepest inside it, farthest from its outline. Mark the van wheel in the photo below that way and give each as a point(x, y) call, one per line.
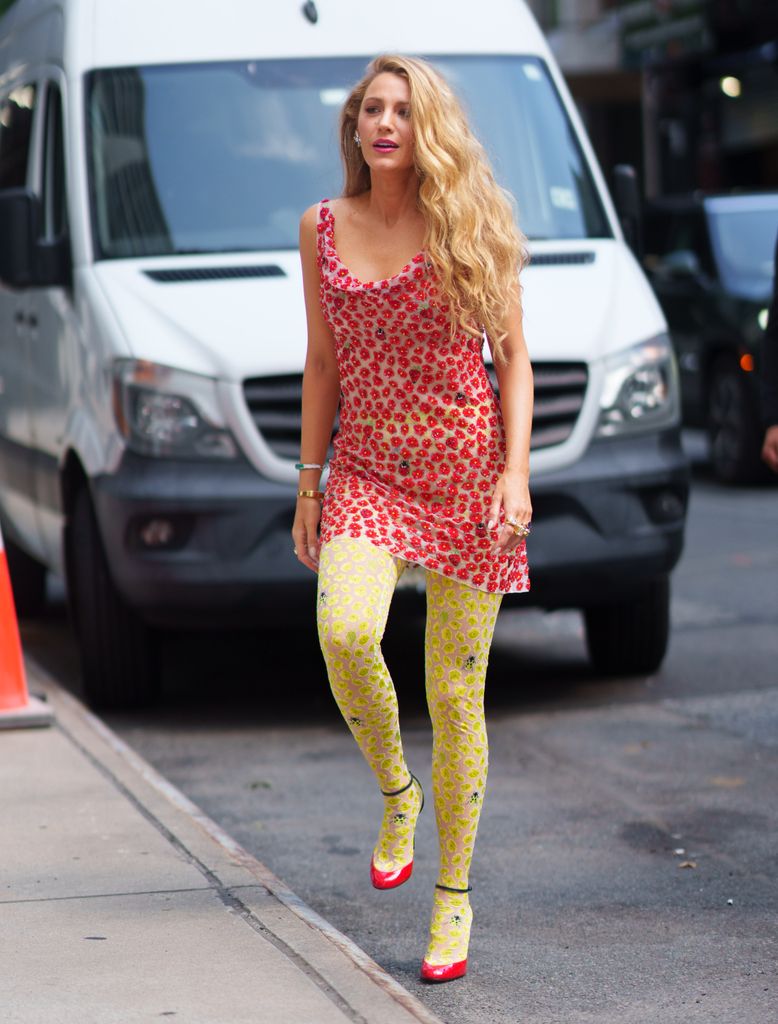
point(119, 655)
point(28, 581)
point(733, 427)
point(630, 637)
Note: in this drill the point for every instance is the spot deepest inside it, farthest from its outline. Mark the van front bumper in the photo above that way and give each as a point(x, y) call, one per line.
point(607, 525)
point(194, 542)
point(228, 553)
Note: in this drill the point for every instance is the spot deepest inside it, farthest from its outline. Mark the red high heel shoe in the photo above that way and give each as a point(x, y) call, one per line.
point(391, 879)
point(445, 972)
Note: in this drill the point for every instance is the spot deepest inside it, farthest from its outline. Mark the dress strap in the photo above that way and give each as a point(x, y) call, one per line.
point(323, 229)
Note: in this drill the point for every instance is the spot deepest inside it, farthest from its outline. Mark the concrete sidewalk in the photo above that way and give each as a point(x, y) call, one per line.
point(121, 902)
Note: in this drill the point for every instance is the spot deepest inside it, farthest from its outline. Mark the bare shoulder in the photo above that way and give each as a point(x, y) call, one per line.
point(308, 230)
point(309, 219)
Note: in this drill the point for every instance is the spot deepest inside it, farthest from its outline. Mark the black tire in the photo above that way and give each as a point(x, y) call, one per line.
point(119, 653)
point(630, 637)
point(734, 428)
point(28, 581)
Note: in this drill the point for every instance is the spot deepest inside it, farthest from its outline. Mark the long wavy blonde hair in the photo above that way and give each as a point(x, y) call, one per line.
point(472, 238)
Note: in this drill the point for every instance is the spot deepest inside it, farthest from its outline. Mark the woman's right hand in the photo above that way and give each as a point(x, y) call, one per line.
point(305, 532)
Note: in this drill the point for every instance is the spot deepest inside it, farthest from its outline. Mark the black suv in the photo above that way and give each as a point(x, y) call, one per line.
point(710, 261)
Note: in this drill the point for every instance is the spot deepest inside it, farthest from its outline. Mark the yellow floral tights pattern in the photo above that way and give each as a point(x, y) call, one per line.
point(356, 584)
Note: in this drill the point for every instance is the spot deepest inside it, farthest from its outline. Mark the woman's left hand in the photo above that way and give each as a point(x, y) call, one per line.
point(511, 494)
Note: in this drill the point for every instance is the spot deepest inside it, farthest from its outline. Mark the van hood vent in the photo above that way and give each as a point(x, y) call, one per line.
point(181, 274)
point(548, 258)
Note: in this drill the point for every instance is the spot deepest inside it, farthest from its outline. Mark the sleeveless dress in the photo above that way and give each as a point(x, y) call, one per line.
point(421, 440)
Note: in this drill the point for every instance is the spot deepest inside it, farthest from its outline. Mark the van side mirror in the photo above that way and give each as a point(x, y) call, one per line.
point(27, 260)
point(626, 195)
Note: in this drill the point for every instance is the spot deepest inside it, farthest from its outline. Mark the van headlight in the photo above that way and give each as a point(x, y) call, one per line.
point(169, 413)
point(640, 389)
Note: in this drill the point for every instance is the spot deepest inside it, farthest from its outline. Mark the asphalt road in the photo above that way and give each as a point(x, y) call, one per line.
point(625, 869)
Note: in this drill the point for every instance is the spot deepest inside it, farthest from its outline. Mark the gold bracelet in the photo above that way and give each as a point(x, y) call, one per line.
point(318, 495)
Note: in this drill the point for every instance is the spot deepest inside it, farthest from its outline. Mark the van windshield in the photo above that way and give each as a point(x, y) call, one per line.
point(224, 157)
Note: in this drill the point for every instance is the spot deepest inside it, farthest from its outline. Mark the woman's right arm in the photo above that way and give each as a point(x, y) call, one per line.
point(321, 393)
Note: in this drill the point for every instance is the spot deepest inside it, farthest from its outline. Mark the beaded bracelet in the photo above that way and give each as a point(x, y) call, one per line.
point(308, 465)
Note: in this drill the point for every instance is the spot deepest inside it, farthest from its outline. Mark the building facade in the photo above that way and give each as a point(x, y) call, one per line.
point(685, 90)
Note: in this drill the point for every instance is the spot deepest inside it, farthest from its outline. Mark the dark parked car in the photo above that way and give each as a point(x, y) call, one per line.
point(710, 261)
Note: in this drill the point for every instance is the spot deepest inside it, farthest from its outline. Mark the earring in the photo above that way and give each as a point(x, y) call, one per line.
point(357, 139)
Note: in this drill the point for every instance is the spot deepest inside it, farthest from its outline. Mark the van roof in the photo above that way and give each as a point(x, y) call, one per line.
point(96, 33)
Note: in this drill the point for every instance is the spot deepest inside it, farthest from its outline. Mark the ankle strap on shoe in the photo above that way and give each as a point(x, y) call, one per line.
point(396, 792)
point(447, 888)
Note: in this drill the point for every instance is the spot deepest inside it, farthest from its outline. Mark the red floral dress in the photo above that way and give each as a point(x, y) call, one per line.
point(421, 440)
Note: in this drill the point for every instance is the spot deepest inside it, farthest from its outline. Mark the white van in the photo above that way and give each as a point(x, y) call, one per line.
point(155, 159)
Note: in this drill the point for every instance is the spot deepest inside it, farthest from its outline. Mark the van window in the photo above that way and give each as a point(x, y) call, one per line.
point(226, 156)
point(15, 132)
point(518, 114)
point(53, 194)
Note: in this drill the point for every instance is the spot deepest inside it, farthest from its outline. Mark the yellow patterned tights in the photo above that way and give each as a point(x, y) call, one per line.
point(356, 584)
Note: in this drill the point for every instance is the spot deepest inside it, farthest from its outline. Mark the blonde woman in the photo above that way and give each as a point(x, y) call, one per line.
point(405, 274)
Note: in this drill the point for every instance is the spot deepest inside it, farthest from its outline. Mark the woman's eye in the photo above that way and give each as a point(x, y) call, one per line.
point(371, 110)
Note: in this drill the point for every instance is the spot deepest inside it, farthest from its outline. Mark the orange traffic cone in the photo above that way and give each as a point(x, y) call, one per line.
point(17, 707)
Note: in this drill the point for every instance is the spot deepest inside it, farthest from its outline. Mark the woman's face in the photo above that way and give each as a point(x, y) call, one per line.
point(384, 124)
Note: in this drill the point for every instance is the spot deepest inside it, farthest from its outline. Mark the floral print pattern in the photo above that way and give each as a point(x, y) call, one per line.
point(360, 579)
point(421, 440)
point(450, 924)
point(394, 847)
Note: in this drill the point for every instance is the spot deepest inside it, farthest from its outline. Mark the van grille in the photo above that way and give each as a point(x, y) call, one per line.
point(560, 388)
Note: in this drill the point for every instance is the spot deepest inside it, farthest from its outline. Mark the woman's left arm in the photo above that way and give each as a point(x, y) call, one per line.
point(515, 380)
